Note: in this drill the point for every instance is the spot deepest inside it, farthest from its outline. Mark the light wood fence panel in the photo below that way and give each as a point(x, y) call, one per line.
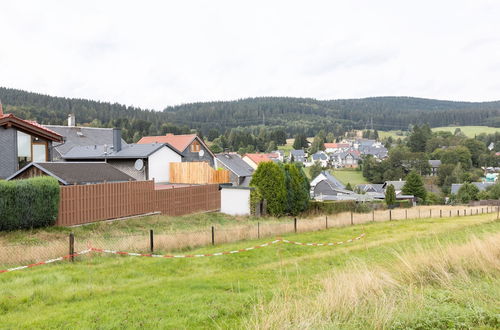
point(197, 173)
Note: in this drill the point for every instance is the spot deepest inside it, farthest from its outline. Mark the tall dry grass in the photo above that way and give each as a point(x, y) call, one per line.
point(13, 254)
point(371, 297)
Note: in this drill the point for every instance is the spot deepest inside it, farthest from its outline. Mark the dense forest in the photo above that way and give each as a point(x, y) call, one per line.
point(292, 115)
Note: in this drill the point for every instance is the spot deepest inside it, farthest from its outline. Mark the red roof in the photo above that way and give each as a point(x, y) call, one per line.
point(260, 158)
point(29, 126)
point(336, 145)
point(179, 142)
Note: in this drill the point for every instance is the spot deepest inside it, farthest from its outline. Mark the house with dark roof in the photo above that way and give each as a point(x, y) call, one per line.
point(434, 164)
point(23, 142)
point(320, 157)
point(370, 188)
point(240, 173)
point(398, 185)
point(325, 175)
point(482, 186)
point(298, 156)
point(140, 161)
point(190, 146)
point(74, 136)
point(73, 173)
point(326, 191)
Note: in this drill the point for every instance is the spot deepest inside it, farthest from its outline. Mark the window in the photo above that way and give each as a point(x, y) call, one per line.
point(195, 146)
point(30, 149)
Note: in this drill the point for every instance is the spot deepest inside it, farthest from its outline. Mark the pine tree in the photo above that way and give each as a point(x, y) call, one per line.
point(414, 186)
point(348, 186)
point(298, 191)
point(269, 182)
point(300, 142)
point(390, 195)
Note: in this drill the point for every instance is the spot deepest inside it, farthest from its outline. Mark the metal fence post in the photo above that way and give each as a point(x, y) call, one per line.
point(213, 235)
point(295, 224)
point(72, 247)
point(151, 240)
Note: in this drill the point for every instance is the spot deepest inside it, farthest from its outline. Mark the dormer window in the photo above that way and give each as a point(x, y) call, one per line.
point(195, 146)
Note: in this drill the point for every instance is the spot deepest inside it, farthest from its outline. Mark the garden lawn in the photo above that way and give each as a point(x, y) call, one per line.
point(232, 291)
point(349, 176)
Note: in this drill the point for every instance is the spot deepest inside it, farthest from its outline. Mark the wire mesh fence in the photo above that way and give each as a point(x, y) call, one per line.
point(175, 241)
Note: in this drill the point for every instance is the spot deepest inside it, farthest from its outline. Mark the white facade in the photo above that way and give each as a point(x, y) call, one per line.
point(235, 201)
point(159, 164)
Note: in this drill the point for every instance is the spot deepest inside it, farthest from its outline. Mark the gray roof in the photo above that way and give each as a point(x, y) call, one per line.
point(324, 187)
point(380, 152)
point(298, 153)
point(319, 156)
point(398, 185)
point(71, 173)
point(333, 180)
point(434, 162)
point(234, 163)
point(480, 185)
point(128, 151)
point(371, 187)
point(81, 136)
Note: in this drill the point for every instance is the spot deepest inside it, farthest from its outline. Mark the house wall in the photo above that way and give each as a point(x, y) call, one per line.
point(195, 156)
point(127, 167)
point(235, 201)
point(250, 162)
point(8, 152)
point(159, 164)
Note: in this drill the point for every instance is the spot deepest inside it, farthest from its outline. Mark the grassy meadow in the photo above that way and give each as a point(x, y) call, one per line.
point(420, 273)
point(469, 131)
point(349, 176)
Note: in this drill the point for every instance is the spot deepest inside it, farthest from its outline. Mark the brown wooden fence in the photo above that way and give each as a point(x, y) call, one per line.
point(197, 173)
point(97, 202)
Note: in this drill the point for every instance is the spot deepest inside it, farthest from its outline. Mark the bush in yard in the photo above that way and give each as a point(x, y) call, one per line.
point(467, 192)
point(297, 187)
point(29, 203)
point(269, 182)
point(414, 186)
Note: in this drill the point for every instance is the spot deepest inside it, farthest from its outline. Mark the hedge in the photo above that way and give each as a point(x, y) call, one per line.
point(30, 203)
point(333, 207)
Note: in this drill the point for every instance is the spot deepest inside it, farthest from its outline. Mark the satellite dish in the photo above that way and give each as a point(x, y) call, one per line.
point(201, 153)
point(139, 165)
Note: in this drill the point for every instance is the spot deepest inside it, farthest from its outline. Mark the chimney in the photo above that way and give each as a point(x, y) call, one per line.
point(71, 120)
point(117, 139)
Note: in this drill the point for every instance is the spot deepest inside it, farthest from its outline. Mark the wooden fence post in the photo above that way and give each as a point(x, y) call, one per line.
point(458, 213)
point(213, 235)
point(295, 224)
point(419, 213)
point(465, 211)
point(352, 220)
point(450, 213)
point(406, 214)
point(430, 213)
point(440, 213)
point(151, 240)
point(390, 215)
point(373, 215)
point(258, 229)
point(498, 211)
point(72, 247)
point(326, 222)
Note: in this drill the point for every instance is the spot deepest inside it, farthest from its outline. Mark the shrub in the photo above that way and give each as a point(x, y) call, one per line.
point(29, 203)
point(334, 207)
point(390, 195)
point(269, 182)
point(297, 186)
point(434, 199)
point(467, 192)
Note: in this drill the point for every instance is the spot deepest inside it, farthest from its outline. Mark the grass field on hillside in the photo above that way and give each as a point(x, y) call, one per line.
point(423, 273)
point(349, 176)
point(469, 131)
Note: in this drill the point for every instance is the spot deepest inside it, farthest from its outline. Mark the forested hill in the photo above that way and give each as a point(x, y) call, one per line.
point(295, 115)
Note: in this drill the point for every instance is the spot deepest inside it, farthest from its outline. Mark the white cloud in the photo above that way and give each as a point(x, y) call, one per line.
point(158, 53)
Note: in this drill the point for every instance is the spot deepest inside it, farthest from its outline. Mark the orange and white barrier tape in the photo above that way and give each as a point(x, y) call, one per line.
point(46, 262)
point(91, 249)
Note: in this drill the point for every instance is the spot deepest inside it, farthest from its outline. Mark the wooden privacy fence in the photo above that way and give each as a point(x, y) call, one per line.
point(197, 173)
point(96, 202)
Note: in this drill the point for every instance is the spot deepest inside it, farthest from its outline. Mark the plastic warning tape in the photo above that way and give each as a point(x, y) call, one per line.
point(46, 262)
point(186, 255)
point(325, 244)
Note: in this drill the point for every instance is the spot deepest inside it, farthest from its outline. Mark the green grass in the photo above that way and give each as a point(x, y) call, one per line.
point(349, 176)
point(230, 291)
point(469, 131)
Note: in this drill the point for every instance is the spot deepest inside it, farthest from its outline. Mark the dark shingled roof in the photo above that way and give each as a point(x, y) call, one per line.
point(71, 173)
point(75, 136)
point(237, 165)
point(128, 151)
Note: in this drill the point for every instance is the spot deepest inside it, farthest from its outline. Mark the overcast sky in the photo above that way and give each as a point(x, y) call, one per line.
point(158, 53)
